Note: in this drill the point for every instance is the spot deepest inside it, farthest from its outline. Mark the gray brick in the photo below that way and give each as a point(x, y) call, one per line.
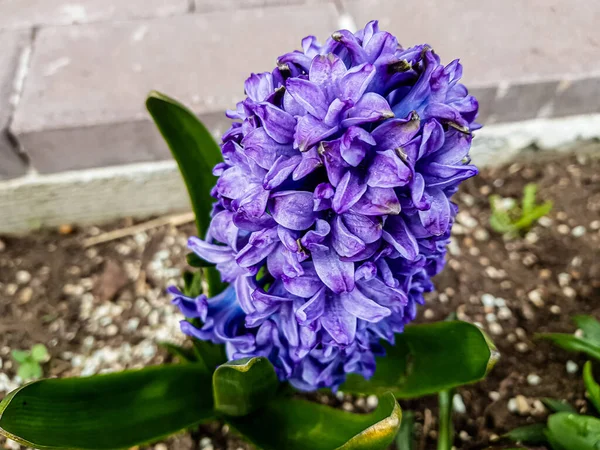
point(511, 42)
point(203, 6)
point(83, 102)
point(577, 97)
point(13, 46)
point(27, 13)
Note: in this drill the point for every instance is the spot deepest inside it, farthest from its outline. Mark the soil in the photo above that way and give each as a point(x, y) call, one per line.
point(103, 308)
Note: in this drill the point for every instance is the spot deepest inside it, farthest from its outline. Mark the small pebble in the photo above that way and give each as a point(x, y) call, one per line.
point(555, 309)
point(532, 237)
point(533, 379)
point(347, 406)
point(504, 313)
point(564, 279)
point(512, 405)
point(563, 229)
point(496, 329)
point(429, 314)
point(494, 396)
point(521, 347)
point(535, 297)
point(65, 229)
point(481, 235)
point(372, 401)
point(160, 446)
point(595, 225)
point(464, 436)
point(488, 300)
point(458, 404)
point(578, 231)
point(522, 405)
point(545, 221)
point(572, 367)
point(23, 277)
point(569, 292)
point(490, 317)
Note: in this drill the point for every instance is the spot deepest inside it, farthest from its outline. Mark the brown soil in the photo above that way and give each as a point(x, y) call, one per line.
point(54, 291)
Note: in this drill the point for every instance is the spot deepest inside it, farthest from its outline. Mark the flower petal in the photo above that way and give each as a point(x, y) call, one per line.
point(309, 95)
point(357, 304)
point(278, 124)
point(293, 209)
point(336, 274)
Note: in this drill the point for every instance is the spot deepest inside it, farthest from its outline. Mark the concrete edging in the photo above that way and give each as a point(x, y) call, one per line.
point(145, 189)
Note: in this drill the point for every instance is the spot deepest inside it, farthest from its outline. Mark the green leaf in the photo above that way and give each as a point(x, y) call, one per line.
point(427, 359)
point(30, 370)
point(244, 385)
point(527, 220)
point(209, 355)
point(39, 353)
point(446, 428)
point(528, 203)
point(574, 432)
point(405, 440)
point(107, 411)
point(294, 424)
point(196, 154)
point(558, 405)
point(590, 328)
point(193, 148)
point(528, 434)
point(591, 386)
point(20, 356)
point(572, 343)
point(185, 355)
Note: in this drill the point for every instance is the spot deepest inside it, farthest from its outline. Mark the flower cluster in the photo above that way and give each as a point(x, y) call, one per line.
point(333, 204)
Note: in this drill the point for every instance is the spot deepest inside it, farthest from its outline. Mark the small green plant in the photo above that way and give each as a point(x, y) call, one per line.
point(30, 361)
point(565, 428)
point(510, 218)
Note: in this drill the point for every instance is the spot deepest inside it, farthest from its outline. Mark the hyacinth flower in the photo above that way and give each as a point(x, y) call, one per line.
point(330, 215)
point(333, 208)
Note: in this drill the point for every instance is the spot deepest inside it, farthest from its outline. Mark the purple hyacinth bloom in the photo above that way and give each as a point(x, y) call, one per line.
point(333, 206)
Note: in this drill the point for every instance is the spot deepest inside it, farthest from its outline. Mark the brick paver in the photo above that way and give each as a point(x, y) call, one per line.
point(13, 45)
point(28, 13)
point(216, 5)
point(83, 103)
point(526, 47)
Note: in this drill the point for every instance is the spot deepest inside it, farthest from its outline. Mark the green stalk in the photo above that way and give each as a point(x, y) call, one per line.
point(446, 428)
point(405, 440)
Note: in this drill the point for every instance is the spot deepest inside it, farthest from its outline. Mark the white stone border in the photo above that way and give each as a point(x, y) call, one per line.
point(141, 190)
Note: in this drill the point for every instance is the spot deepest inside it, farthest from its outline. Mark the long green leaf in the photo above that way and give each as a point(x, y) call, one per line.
point(193, 148)
point(590, 328)
point(196, 154)
point(558, 405)
point(528, 434)
point(244, 385)
point(574, 432)
point(294, 424)
point(591, 386)
point(427, 359)
point(572, 343)
point(107, 411)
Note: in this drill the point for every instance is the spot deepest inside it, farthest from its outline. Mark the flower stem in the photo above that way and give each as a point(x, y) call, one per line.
point(446, 428)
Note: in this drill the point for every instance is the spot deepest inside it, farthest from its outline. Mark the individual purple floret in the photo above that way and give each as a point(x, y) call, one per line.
point(333, 204)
